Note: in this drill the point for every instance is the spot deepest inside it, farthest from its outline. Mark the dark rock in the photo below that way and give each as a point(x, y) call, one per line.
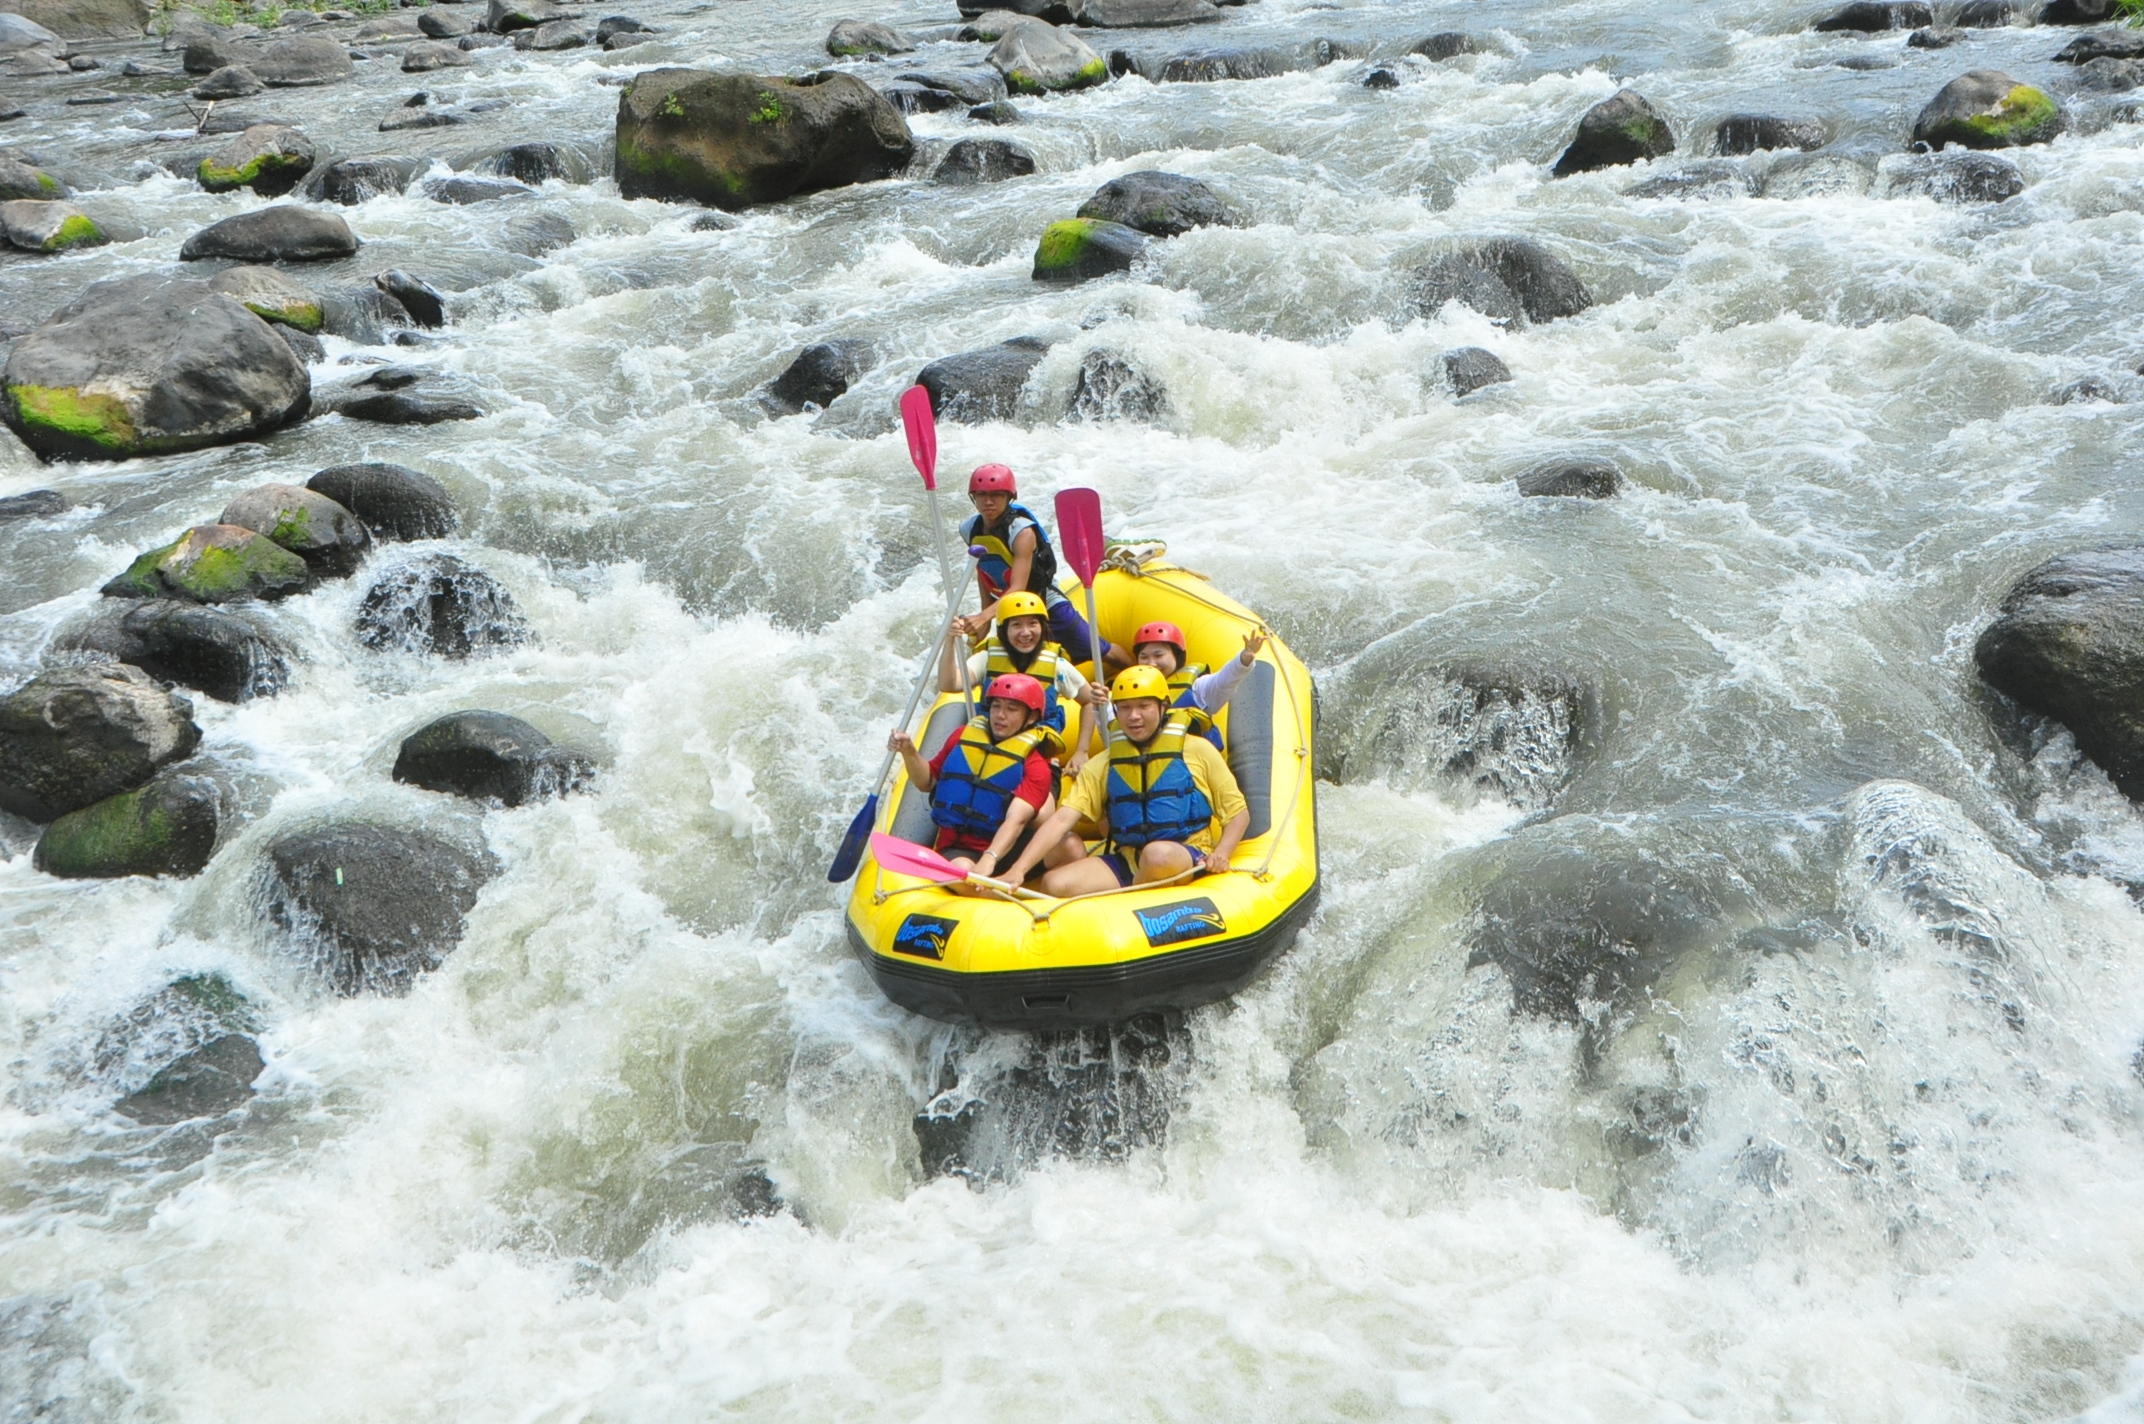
point(463, 192)
point(210, 650)
point(1143, 14)
point(1753, 133)
point(1507, 279)
point(1954, 177)
point(1984, 108)
point(207, 53)
point(285, 233)
point(214, 563)
point(2068, 643)
point(1381, 78)
point(301, 62)
point(1081, 249)
point(993, 19)
point(208, 1082)
point(354, 180)
point(2116, 44)
point(1572, 479)
point(534, 163)
point(438, 604)
point(306, 348)
point(979, 386)
point(270, 295)
point(361, 314)
point(1622, 129)
point(983, 160)
point(611, 26)
point(1000, 112)
point(505, 16)
point(422, 119)
point(733, 140)
point(820, 373)
point(1935, 37)
point(1038, 58)
point(230, 121)
point(420, 299)
point(1159, 204)
point(1871, 16)
point(616, 42)
point(37, 504)
point(2080, 12)
point(969, 84)
point(1697, 182)
point(1469, 368)
point(1240, 62)
point(373, 906)
point(395, 501)
point(269, 159)
point(850, 37)
point(96, 97)
point(712, 222)
point(488, 756)
point(145, 365)
point(534, 234)
point(73, 736)
point(912, 98)
point(2088, 389)
point(330, 539)
point(1111, 388)
point(407, 407)
point(443, 24)
point(167, 827)
point(1985, 14)
point(1447, 44)
point(233, 81)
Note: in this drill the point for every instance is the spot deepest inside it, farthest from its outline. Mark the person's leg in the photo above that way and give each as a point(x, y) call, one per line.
point(1068, 629)
point(1164, 860)
point(1084, 876)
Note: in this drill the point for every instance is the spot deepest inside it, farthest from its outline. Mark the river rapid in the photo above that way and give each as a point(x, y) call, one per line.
point(1863, 1142)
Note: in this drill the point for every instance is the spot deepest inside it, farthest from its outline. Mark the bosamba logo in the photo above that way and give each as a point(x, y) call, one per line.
point(1186, 919)
point(923, 936)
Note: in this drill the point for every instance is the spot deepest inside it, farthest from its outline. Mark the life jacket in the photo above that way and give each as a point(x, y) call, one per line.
point(1185, 714)
point(1152, 794)
point(978, 781)
point(1042, 667)
point(993, 567)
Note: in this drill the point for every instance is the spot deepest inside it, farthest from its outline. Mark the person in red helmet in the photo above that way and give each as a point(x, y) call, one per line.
point(1013, 554)
point(989, 785)
point(1199, 694)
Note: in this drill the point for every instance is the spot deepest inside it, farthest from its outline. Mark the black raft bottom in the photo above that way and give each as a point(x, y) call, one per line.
point(1087, 994)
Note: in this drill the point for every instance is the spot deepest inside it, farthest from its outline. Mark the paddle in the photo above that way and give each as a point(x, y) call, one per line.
point(923, 450)
point(903, 858)
point(1079, 533)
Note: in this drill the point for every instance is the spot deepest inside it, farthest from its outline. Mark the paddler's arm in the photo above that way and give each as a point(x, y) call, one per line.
point(1053, 830)
point(1083, 809)
point(949, 671)
point(1210, 769)
point(919, 770)
point(1016, 818)
point(1217, 860)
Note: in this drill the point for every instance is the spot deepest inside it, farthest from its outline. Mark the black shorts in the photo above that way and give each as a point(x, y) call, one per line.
point(1126, 873)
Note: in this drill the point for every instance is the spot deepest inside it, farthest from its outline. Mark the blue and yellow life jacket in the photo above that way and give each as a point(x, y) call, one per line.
point(993, 567)
point(979, 779)
point(1042, 667)
point(1152, 794)
point(1185, 714)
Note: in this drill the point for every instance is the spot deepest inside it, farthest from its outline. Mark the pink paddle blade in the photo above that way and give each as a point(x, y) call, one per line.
point(1079, 531)
point(903, 858)
point(922, 426)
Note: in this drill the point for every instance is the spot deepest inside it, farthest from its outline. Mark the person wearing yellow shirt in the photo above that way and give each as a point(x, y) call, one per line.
point(1165, 800)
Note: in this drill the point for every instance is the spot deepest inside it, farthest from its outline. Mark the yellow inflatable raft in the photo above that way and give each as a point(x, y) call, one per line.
point(1028, 961)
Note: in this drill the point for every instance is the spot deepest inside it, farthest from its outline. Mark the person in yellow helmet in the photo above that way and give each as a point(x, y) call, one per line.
point(1021, 645)
point(1163, 798)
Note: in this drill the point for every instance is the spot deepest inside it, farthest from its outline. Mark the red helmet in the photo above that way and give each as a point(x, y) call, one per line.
point(1161, 633)
point(992, 479)
point(1018, 687)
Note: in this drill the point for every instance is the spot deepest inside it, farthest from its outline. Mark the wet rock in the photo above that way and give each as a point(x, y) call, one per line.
point(149, 364)
point(427, 55)
point(1697, 182)
point(978, 386)
point(1572, 479)
point(818, 376)
point(1624, 128)
point(285, 233)
point(395, 501)
point(989, 23)
point(733, 140)
point(2068, 643)
point(968, 84)
point(307, 349)
point(1447, 44)
point(1952, 177)
point(2087, 389)
point(553, 35)
point(1381, 78)
point(409, 406)
point(355, 180)
point(373, 906)
point(1081, 249)
point(301, 62)
point(208, 1082)
point(362, 315)
point(37, 504)
point(1814, 175)
point(2114, 44)
point(503, 17)
point(442, 23)
point(269, 159)
point(983, 160)
point(1985, 14)
point(209, 650)
point(438, 604)
point(233, 81)
point(20, 180)
point(48, 227)
point(535, 163)
point(1037, 58)
point(426, 306)
point(534, 234)
point(2080, 12)
point(1753, 133)
point(1508, 279)
point(167, 827)
point(489, 756)
point(74, 736)
point(1985, 108)
point(205, 53)
point(2110, 76)
point(849, 37)
point(1469, 368)
point(330, 539)
point(1159, 204)
point(214, 563)
point(1238, 62)
point(1935, 37)
point(1873, 16)
point(611, 27)
point(912, 98)
point(1143, 14)
point(422, 119)
point(270, 295)
point(1111, 388)
point(999, 112)
point(463, 192)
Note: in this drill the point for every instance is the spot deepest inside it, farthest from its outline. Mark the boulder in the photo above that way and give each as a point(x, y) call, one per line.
point(207, 51)
point(17, 32)
point(733, 140)
point(1447, 44)
point(503, 17)
point(611, 27)
point(1872, 16)
point(211, 650)
point(167, 827)
point(48, 226)
point(998, 112)
point(284, 233)
point(553, 35)
point(206, 1082)
point(88, 19)
point(912, 98)
point(977, 386)
point(1508, 279)
point(233, 81)
point(395, 501)
point(1935, 37)
point(1985, 108)
point(330, 539)
point(852, 37)
point(489, 756)
point(964, 84)
point(147, 365)
point(983, 160)
point(438, 604)
point(1230, 62)
point(1624, 128)
point(270, 295)
point(539, 162)
point(442, 23)
point(1952, 177)
point(361, 315)
point(1697, 182)
point(37, 504)
point(1079, 249)
point(1571, 479)
point(1753, 133)
point(464, 191)
point(214, 563)
point(383, 404)
point(818, 376)
point(268, 158)
point(2081, 12)
point(2110, 76)
point(1111, 388)
point(408, 118)
point(23, 180)
point(2068, 643)
point(355, 180)
point(300, 62)
point(423, 301)
point(1469, 368)
point(1159, 204)
point(424, 56)
point(373, 906)
point(307, 349)
point(991, 20)
point(1037, 58)
point(2116, 44)
point(1143, 14)
point(74, 736)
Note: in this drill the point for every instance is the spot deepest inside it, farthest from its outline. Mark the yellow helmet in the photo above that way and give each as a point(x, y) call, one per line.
point(1140, 681)
point(1022, 605)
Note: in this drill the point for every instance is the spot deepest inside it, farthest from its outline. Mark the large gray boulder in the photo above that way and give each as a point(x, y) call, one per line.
point(1952, 176)
point(233, 81)
point(983, 160)
point(1509, 279)
point(854, 37)
point(1753, 133)
point(1159, 204)
point(71, 737)
point(395, 501)
point(25, 180)
point(1623, 128)
point(167, 827)
point(977, 386)
point(300, 62)
point(211, 650)
point(731, 140)
point(1038, 58)
point(373, 906)
point(88, 19)
point(489, 756)
point(146, 365)
point(503, 17)
point(284, 233)
point(214, 563)
point(355, 180)
point(46, 227)
point(271, 296)
point(271, 159)
point(1985, 108)
point(1872, 16)
point(1143, 14)
point(208, 50)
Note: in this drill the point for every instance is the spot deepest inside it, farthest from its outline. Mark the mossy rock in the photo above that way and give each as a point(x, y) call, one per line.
point(165, 828)
point(1623, 128)
point(271, 296)
point(1985, 108)
point(214, 563)
point(48, 226)
point(207, 1082)
point(100, 420)
point(1078, 249)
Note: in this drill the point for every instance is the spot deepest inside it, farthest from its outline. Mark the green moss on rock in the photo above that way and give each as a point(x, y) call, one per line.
point(86, 415)
point(2019, 118)
point(165, 828)
point(76, 231)
point(1075, 249)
